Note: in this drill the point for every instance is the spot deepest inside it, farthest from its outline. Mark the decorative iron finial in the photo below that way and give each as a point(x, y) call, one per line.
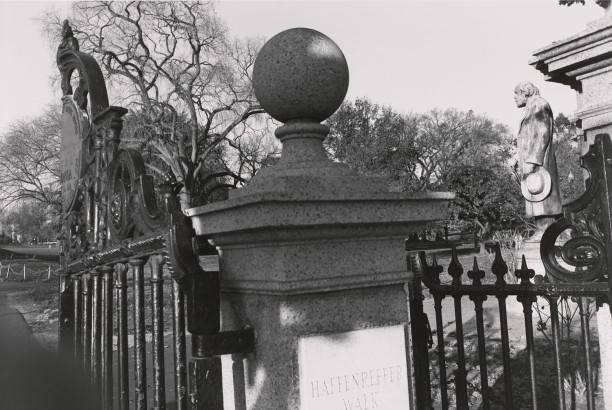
point(66, 30)
point(499, 267)
point(454, 268)
point(476, 274)
point(69, 42)
point(524, 273)
point(434, 270)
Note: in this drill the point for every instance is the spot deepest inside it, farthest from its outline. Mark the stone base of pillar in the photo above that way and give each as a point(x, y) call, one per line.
point(272, 374)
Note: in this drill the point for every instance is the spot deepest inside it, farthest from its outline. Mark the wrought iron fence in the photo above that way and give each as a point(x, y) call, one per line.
point(116, 221)
point(477, 292)
point(576, 267)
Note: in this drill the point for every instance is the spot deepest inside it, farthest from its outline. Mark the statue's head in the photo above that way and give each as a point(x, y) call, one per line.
point(523, 91)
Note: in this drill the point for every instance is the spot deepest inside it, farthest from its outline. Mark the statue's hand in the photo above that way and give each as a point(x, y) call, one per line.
point(528, 168)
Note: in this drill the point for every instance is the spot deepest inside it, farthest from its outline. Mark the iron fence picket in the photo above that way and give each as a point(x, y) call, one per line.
point(505, 342)
point(106, 345)
point(87, 321)
point(482, 354)
point(554, 315)
point(460, 373)
point(441, 351)
point(66, 316)
point(122, 337)
point(527, 302)
point(140, 365)
point(77, 285)
point(583, 306)
point(96, 309)
point(180, 356)
point(157, 305)
point(419, 338)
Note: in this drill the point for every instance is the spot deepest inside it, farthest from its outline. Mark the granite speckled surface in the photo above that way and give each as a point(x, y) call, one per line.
point(308, 246)
point(271, 374)
point(583, 62)
point(300, 73)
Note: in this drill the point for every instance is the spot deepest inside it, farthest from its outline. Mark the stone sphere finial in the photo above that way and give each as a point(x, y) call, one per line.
point(300, 74)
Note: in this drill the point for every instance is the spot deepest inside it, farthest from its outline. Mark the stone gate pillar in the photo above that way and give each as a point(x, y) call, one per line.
point(584, 62)
point(311, 254)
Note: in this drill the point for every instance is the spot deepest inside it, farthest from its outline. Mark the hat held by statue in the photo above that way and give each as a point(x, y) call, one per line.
point(537, 185)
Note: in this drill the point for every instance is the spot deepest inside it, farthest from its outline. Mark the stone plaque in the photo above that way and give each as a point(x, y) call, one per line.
point(358, 370)
point(74, 130)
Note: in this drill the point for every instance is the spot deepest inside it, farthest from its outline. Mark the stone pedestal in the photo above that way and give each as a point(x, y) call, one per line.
point(309, 249)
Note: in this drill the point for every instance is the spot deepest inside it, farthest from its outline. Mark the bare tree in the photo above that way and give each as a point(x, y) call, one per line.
point(176, 66)
point(29, 160)
point(254, 151)
point(449, 141)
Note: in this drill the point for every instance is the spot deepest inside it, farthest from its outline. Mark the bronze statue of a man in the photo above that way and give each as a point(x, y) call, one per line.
point(535, 151)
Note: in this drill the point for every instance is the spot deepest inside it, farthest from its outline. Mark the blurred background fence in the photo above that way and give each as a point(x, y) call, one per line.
point(26, 271)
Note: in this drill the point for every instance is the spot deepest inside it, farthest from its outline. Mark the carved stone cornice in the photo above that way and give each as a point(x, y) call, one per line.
point(568, 60)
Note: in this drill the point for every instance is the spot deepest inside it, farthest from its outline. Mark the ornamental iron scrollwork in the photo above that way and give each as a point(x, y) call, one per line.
point(574, 247)
point(91, 89)
point(115, 203)
point(117, 215)
point(133, 207)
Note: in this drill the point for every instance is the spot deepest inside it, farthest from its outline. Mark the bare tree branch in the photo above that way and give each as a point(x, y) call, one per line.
point(181, 75)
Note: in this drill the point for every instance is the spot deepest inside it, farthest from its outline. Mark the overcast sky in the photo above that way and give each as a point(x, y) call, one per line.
point(412, 55)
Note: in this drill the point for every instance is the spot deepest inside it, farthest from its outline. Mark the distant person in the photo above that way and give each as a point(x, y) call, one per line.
point(535, 158)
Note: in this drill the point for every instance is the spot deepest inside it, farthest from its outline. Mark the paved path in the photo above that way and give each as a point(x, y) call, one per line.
point(14, 331)
point(15, 334)
point(31, 378)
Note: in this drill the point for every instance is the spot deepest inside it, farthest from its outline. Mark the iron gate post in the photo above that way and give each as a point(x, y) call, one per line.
point(66, 315)
point(420, 337)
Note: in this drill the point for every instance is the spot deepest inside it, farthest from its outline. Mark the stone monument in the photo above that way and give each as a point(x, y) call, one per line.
point(584, 63)
point(311, 255)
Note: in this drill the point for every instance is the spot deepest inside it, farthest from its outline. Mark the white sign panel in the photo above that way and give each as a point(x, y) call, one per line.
point(358, 370)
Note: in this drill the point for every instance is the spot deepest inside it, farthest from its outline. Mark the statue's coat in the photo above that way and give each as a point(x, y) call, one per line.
point(535, 147)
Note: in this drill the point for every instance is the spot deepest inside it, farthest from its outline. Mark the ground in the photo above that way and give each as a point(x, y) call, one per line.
point(36, 296)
